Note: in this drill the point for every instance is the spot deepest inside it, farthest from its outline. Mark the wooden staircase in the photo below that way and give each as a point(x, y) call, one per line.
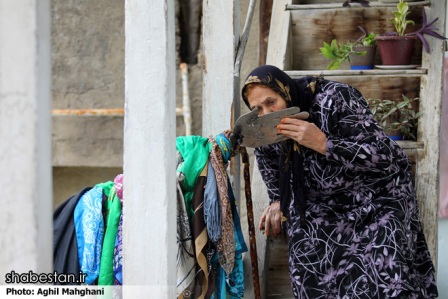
point(296, 33)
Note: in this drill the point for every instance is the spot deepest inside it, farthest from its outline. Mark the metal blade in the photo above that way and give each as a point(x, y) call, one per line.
point(256, 131)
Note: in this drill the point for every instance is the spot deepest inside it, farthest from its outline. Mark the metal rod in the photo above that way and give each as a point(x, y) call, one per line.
point(76, 112)
point(244, 38)
point(99, 112)
point(186, 109)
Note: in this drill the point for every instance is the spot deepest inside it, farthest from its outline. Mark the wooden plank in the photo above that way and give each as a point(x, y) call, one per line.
point(149, 163)
point(408, 144)
point(25, 134)
point(279, 36)
point(427, 180)
point(311, 4)
point(348, 73)
point(278, 284)
point(384, 87)
point(310, 30)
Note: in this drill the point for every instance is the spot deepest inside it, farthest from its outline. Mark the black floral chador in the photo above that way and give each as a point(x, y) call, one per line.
point(353, 227)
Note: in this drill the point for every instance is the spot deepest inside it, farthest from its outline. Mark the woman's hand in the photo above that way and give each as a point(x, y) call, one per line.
point(271, 220)
point(305, 133)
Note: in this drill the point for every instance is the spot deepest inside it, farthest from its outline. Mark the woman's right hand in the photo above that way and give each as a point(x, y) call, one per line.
point(271, 220)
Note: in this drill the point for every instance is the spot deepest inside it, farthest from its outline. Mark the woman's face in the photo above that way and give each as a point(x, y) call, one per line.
point(265, 99)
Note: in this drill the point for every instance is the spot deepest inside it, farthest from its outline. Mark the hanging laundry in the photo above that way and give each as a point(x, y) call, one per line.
point(113, 209)
point(212, 206)
point(209, 237)
point(65, 248)
point(194, 151)
point(226, 244)
point(216, 230)
point(89, 227)
point(118, 250)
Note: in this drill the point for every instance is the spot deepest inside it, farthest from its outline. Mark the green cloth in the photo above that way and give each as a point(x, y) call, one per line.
point(107, 186)
point(113, 208)
point(194, 151)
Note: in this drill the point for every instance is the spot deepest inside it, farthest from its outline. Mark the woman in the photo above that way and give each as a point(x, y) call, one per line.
point(344, 190)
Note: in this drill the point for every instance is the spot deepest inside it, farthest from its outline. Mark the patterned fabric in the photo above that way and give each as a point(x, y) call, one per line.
point(224, 145)
point(118, 250)
point(89, 226)
point(185, 249)
point(212, 206)
point(118, 185)
point(203, 284)
point(361, 235)
point(118, 254)
point(232, 285)
point(226, 244)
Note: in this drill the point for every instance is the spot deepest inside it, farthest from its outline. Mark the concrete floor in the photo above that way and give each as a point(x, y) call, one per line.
point(442, 265)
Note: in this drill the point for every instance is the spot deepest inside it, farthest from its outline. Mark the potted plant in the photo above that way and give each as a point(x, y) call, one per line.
point(396, 48)
point(360, 53)
point(398, 118)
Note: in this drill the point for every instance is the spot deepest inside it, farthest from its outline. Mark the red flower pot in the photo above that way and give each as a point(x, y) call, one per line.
point(396, 50)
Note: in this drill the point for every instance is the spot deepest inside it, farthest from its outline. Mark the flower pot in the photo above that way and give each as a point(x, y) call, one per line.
point(395, 134)
point(396, 50)
point(364, 62)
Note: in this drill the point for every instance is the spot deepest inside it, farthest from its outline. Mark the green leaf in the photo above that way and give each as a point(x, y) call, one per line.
point(334, 65)
point(327, 53)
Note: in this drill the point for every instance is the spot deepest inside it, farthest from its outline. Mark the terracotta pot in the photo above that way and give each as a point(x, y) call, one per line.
point(365, 62)
point(396, 50)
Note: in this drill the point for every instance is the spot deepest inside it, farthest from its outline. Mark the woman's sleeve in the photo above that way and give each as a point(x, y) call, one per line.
point(354, 138)
point(268, 165)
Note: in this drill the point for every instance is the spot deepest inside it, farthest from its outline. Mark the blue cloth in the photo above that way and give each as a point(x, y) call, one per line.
point(240, 244)
point(224, 145)
point(231, 286)
point(212, 206)
point(89, 227)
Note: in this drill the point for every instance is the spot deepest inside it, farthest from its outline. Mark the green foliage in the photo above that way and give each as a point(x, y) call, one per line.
point(338, 53)
point(396, 115)
point(400, 22)
point(369, 40)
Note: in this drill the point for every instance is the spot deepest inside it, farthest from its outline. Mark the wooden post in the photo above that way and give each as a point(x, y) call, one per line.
point(279, 52)
point(25, 134)
point(427, 180)
point(149, 207)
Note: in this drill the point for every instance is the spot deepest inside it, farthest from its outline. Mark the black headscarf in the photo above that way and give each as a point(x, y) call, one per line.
point(296, 93)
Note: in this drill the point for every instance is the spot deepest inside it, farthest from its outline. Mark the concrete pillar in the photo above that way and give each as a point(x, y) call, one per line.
point(220, 39)
point(149, 255)
point(25, 137)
